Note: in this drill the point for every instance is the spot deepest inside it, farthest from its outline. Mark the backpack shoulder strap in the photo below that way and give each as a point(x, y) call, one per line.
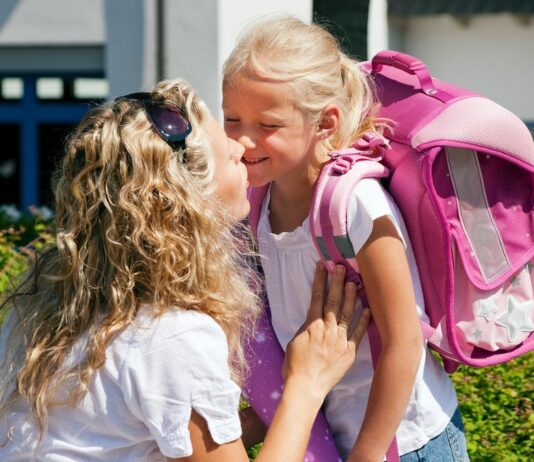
point(328, 218)
point(338, 178)
point(255, 197)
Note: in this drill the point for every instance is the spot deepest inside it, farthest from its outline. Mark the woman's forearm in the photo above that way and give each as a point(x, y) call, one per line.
point(290, 430)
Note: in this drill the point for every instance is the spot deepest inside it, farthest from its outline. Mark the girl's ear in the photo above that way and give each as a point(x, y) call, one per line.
point(329, 122)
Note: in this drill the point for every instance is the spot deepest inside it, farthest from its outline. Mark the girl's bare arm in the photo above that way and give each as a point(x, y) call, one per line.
point(389, 288)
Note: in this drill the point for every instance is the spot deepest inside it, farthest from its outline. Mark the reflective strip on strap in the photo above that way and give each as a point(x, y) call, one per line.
point(477, 221)
point(345, 246)
point(322, 247)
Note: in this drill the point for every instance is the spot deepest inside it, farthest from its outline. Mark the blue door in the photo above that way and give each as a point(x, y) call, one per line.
point(36, 113)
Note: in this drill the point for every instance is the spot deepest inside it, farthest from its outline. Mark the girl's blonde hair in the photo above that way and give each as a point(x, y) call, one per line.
point(135, 224)
point(309, 59)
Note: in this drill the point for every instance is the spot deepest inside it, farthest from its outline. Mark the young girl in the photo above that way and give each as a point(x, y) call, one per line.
point(290, 95)
point(123, 343)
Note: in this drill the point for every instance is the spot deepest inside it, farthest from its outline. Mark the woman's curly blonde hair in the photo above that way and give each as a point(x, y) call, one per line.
point(135, 224)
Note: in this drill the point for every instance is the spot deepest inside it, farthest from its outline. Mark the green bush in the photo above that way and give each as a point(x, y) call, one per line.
point(20, 236)
point(497, 408)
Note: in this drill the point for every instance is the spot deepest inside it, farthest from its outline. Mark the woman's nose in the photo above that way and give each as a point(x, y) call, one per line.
point(237, 149)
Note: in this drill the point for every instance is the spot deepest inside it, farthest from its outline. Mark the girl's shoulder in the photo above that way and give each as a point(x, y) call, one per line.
point(369, 201)
point(370, 195)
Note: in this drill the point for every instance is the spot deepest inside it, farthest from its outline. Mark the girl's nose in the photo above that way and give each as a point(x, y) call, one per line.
point(247, 141)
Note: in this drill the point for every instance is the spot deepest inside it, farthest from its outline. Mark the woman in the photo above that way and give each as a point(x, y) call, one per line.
point(126, 340)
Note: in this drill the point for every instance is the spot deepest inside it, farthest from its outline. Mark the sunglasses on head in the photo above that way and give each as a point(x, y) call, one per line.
point(170, 122)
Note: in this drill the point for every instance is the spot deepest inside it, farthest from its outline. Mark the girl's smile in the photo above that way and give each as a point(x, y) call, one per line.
point(252, 160)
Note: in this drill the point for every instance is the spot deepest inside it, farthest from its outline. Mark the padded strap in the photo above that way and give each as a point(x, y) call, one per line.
point(333, 190)
point(328, 225)
point(255, 197)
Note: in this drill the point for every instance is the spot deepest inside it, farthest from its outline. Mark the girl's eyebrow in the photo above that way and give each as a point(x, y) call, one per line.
point(271, 114)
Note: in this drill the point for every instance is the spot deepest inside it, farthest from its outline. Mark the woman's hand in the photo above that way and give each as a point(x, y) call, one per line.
point(316, 359)
point(325, 347)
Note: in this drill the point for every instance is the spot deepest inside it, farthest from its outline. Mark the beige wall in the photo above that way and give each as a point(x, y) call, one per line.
point(490, 54)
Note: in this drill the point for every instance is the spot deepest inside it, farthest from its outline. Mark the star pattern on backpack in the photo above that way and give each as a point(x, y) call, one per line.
point(487, 308)
point(518, 317)
point(477, 334)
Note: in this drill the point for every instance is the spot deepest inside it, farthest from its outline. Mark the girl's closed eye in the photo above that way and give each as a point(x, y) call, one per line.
point(268, 126)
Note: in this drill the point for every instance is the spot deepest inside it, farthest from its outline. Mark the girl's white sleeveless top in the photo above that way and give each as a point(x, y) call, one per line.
point(289, 261)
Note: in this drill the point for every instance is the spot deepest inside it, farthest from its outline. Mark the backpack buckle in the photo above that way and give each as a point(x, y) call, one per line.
point(343, 163)
point(371, 140)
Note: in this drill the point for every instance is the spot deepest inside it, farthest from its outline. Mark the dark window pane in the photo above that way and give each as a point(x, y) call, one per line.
point(51, 144)
point(9, 164)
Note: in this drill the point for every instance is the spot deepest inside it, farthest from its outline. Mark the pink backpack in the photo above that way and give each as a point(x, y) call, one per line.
point(461, 169)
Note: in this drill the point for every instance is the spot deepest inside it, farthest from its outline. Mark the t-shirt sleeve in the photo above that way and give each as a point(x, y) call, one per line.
point(165, 378)
point(369, 201)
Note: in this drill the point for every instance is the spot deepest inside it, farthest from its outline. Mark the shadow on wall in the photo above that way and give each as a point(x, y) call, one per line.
point(6, 9)
point(126, 42)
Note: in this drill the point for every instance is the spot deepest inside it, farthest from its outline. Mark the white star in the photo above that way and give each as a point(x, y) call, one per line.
point(260, 338)
point(518, 318)
point(487, 308)
point(275, 395)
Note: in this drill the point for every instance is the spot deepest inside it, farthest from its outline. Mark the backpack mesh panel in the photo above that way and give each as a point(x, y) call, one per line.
point(480, 122)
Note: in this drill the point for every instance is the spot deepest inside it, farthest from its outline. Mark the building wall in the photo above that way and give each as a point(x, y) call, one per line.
point(489, 54)
point(56, 35)
point(28, 22)
point(120, 46)
point(198, 40)
point(120, 38)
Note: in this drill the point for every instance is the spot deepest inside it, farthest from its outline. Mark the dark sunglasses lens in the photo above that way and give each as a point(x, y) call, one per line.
point(170, 123)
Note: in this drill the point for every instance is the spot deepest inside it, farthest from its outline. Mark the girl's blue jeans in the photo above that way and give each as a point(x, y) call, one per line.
point(449, 446)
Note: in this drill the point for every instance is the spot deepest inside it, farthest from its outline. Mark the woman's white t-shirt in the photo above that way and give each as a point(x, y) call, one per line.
point(138, 405)
point(289, 261)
